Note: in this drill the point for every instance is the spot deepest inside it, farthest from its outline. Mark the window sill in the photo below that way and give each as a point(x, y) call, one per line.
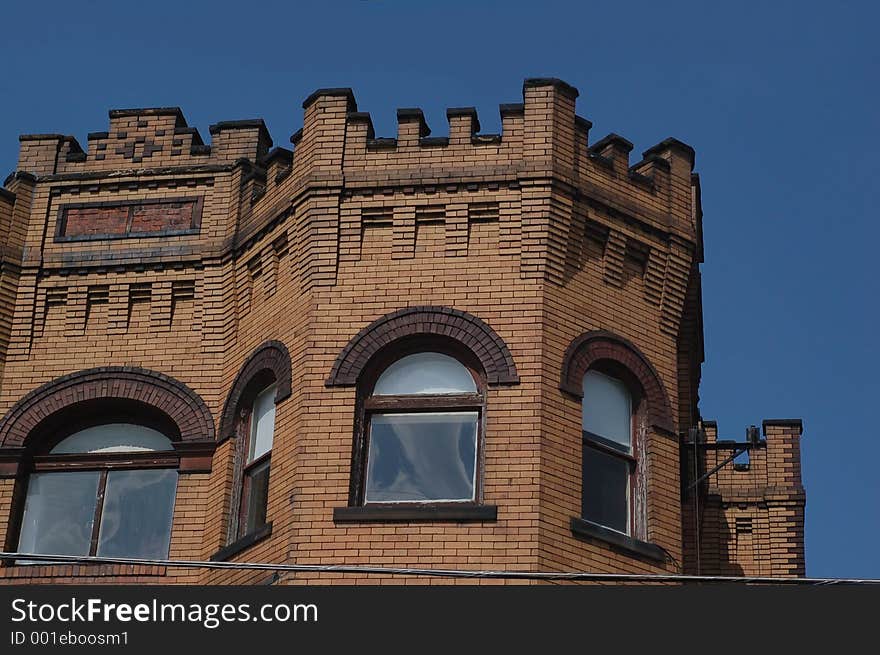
point(584, 528)
point(242, 544)
point(389, 513)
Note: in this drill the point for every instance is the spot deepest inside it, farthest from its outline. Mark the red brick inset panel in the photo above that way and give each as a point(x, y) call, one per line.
point(269, 362)
point(137, 218)
point(89, 221)
point(180, 403)
point(164, 216)
point(600, 345)
point(462, 327)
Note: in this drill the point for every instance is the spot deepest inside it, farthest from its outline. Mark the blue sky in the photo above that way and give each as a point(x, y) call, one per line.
point(779, 99)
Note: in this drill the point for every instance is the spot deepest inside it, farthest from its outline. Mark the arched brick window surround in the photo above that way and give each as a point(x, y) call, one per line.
point(600, 345)
point(272, 358)
point(182, 405)
point(466, 329)
point(194, 440)
point(267, 365)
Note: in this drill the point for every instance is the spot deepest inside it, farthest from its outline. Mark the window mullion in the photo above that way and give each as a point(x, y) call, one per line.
point(99, 510)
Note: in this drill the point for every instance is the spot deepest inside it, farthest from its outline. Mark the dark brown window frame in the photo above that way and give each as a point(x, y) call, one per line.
point(367, 405)
point(635, 458)
point(102, 464)
point(599, 349)
point(245, 481)
point(268, 364)
point(78, 418)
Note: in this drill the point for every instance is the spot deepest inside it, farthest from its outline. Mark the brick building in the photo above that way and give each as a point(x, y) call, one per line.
point(475, 352)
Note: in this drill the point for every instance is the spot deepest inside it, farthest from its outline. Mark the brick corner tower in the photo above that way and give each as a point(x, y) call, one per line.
point(473, 352)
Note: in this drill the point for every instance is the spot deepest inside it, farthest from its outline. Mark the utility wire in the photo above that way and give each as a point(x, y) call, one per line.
point(436, 573)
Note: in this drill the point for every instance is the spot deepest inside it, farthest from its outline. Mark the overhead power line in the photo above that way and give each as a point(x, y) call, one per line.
point(435, 573)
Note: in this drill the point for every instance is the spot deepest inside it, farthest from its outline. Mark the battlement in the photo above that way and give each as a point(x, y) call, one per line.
point(752, 513)
point(541, 136)
point(773, 462)
point(143, 138)
point(240, 185)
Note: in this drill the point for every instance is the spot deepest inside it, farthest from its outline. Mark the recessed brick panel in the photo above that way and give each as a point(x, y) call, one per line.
point(105, 220)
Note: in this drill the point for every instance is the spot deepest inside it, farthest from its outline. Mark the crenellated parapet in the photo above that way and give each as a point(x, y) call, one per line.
point(752, 509)
point(557, 198)
point(143, 139)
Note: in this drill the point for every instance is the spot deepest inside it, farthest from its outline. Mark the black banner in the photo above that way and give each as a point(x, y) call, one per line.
point(416, 618)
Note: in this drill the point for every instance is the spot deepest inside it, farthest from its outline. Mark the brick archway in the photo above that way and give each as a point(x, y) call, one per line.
point(272, 357)
point(454, 324)
point(601, 345)
point(173, 398)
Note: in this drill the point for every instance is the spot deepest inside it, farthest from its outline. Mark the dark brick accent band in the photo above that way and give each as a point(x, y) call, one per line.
point(148, 111)
point(462, 327)
point(471, 112)
point(555, 82)
point(672, 144)
point(796, 423)
point(340, 92)
point(583, 123)
point(41, 137)
point(180, 403)
point(363, 117)
point(246, 124)
point(272, 357)
point(283, 155)
point(612, 140)
point(599, 345)
point(512, 109)
point(414, 114)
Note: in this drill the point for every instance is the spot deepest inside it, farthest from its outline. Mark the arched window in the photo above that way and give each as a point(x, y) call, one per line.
point(421, 418)
point(105, 490)
point(263, 382)
point(610, 455)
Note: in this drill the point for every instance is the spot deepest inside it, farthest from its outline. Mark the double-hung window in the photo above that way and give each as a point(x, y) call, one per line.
point(257, 453)
point(609, 454)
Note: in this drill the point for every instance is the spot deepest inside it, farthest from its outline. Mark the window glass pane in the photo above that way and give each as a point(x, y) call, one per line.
point(422, 457)
point(257, 496)
point(113, 438)
point(262, 424)
point(136, 521)
point(59, 513)
point(607, 409)
point(425, 373)
point(606, 490)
